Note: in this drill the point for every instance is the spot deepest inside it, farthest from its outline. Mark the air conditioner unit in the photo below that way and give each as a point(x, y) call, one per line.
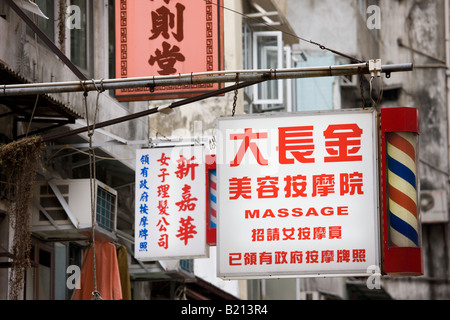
point(433, 206)
point(65, 205)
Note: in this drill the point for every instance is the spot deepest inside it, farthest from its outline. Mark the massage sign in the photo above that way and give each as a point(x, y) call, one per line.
point(170, 205)
point(298, 195)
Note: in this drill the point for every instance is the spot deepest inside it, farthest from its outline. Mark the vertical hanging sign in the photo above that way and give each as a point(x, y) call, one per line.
point(167, 37)
point(298, 195)
point(170, 207)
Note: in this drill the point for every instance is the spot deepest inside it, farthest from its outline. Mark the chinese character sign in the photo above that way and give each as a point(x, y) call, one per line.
point(297, 195)
point(167, 37)
point(170, 209)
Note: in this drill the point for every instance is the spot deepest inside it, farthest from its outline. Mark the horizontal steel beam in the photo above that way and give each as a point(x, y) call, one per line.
point(148, 112)
point(196, 78)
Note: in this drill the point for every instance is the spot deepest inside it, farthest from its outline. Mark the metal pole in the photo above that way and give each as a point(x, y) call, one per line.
point(150, 111)
point(195, 78)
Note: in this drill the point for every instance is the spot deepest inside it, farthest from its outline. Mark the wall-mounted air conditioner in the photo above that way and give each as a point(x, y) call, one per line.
point(433, 206)
point(66, 205)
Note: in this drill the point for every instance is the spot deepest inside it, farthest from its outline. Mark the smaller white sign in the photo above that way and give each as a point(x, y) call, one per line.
point(170, 207)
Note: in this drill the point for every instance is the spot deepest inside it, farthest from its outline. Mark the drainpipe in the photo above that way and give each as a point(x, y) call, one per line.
point(447, 50)
point(447, 57)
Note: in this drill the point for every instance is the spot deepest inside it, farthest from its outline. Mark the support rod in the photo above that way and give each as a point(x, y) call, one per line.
point(195, 78)
point(149, 112)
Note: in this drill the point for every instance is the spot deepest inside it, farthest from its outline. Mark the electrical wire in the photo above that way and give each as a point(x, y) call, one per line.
point(321, 46)
point(86, 153)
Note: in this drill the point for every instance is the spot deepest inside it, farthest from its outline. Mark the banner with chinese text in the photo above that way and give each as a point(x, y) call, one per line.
point(298, 195)
point(167, 37)
point(170, 214)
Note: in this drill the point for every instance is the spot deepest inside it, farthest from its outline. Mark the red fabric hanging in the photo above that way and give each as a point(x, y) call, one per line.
point(108, 277)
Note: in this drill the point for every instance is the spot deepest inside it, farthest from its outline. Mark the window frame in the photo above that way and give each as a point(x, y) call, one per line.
point(256, 63)
point(89, 70)
point(33, 286)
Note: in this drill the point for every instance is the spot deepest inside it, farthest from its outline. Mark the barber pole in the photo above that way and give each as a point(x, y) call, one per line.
point(401, 223)
point(213, 199)
point(404, 226)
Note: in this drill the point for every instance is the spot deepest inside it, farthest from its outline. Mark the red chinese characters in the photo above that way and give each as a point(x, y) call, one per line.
point(343, 143)
point(186, 230)
point(186, 169)
point(296, 144)
point(163, 208)
point(296, 233)
point(297, 141)
point(248, 142)
point(300, 186)
point(188, 201)
point(340, 256)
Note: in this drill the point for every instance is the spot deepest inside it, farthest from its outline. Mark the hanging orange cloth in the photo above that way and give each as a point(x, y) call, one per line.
point(122, 258)
point(108, 277)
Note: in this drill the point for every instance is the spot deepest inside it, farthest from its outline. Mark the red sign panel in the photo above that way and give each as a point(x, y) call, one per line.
point(167, 37)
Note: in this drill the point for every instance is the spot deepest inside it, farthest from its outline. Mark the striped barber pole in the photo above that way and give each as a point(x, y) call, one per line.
point(213, 199)
point(402, 186)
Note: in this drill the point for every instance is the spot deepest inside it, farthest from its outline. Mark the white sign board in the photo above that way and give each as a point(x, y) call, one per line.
point(170, 207)
point(298, 195)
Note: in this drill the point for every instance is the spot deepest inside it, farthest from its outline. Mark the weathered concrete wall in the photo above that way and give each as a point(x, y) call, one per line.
point(181, 122)
point(419, 24)
point(422, 27)
point(38, 64)
point(329, 22)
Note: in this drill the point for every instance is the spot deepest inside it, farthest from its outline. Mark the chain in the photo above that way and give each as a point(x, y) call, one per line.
point(361, 85)
point(236, 92)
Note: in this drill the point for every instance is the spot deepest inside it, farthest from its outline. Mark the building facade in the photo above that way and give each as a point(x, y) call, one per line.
point(258, 34)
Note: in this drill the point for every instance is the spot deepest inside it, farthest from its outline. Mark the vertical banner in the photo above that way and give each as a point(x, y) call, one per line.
point(298, 195)
point(170, 207)
point(167, 37)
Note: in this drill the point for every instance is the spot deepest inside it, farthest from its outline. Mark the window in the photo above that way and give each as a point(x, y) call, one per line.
point(268, 54)
point(106, 208)
point(3, 12)
point(315, 93)
point(81, 35)
point(46, 25)
point(264, 50)
point(111, 40)
point(47, 276)
point(40, 276)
